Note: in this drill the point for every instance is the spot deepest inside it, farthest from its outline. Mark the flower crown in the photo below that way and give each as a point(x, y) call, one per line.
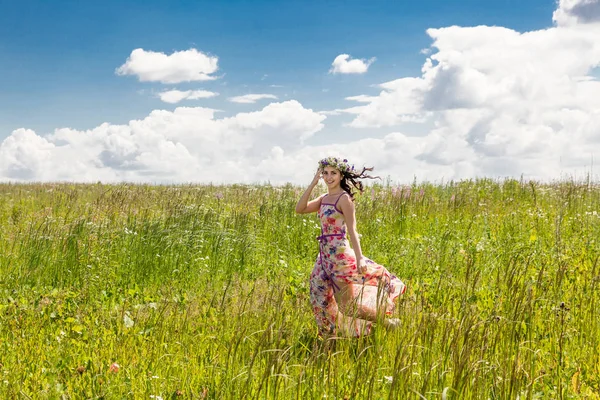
point(336, 163)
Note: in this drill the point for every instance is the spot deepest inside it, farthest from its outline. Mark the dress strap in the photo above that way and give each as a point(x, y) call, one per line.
point(339, 197)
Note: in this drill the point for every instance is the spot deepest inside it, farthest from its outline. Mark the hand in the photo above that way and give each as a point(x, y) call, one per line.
point(362, 265)
point(316, 177)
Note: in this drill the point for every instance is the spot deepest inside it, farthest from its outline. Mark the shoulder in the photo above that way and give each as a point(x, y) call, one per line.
point(345, 196)
point(345, 201)
point(320, 198)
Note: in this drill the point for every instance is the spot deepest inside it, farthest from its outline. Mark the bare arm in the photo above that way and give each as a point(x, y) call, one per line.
point(304, 206)
point(347, 207)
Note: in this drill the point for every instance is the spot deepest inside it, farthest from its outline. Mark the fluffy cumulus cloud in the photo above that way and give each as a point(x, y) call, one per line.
point(572, 12)
point(24, 154)
point(191, 145)
point(180, 66)
point(495, 102)
point(184, 145)
point(175, 96)
point(251, 98)
point(344, 64)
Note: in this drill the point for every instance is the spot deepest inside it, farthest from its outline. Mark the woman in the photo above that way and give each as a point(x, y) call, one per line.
point(348, 291)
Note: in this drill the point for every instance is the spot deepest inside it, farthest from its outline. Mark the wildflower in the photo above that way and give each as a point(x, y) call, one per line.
point(219, 196)
point(114, 367)
point(127, 321)
point(335, 162)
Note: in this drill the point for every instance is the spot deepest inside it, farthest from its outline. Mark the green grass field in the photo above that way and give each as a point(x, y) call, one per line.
point(154, 292)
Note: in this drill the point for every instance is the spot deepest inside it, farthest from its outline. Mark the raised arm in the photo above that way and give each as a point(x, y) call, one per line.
point(304, 206)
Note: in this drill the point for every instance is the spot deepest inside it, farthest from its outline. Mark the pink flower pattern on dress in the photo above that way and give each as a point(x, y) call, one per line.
point(335, 264)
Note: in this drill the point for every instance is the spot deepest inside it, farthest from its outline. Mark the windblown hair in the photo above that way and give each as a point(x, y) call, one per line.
point(351, 179)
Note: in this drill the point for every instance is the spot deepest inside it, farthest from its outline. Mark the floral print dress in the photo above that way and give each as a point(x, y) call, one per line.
point(335, 266)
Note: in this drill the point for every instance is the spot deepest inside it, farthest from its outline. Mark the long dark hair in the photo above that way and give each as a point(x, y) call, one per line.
point(351, 179)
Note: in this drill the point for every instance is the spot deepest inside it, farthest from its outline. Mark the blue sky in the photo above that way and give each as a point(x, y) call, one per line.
point(433, 90)
point(58, 58)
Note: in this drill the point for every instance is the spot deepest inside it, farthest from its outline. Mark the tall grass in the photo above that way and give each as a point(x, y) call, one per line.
point(137, 291)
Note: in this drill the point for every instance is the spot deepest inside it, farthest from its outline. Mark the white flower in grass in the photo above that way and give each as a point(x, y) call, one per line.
point(480, 246)
point(127, 321)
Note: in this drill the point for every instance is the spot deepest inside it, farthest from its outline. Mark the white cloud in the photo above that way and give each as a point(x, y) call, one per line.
point(500, 101)
point(572, 12)
point(344, 65)
point(331, 112)
point(181, 66)
point(251, 98)
point(175, 96)
point(188, 144)
point(24, 154)
point(362, 98)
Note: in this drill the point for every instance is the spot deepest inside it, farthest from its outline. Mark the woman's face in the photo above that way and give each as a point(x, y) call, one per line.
point(332, 177)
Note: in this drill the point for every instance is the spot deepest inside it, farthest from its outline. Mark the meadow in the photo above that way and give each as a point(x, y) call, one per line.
point(168, 292)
